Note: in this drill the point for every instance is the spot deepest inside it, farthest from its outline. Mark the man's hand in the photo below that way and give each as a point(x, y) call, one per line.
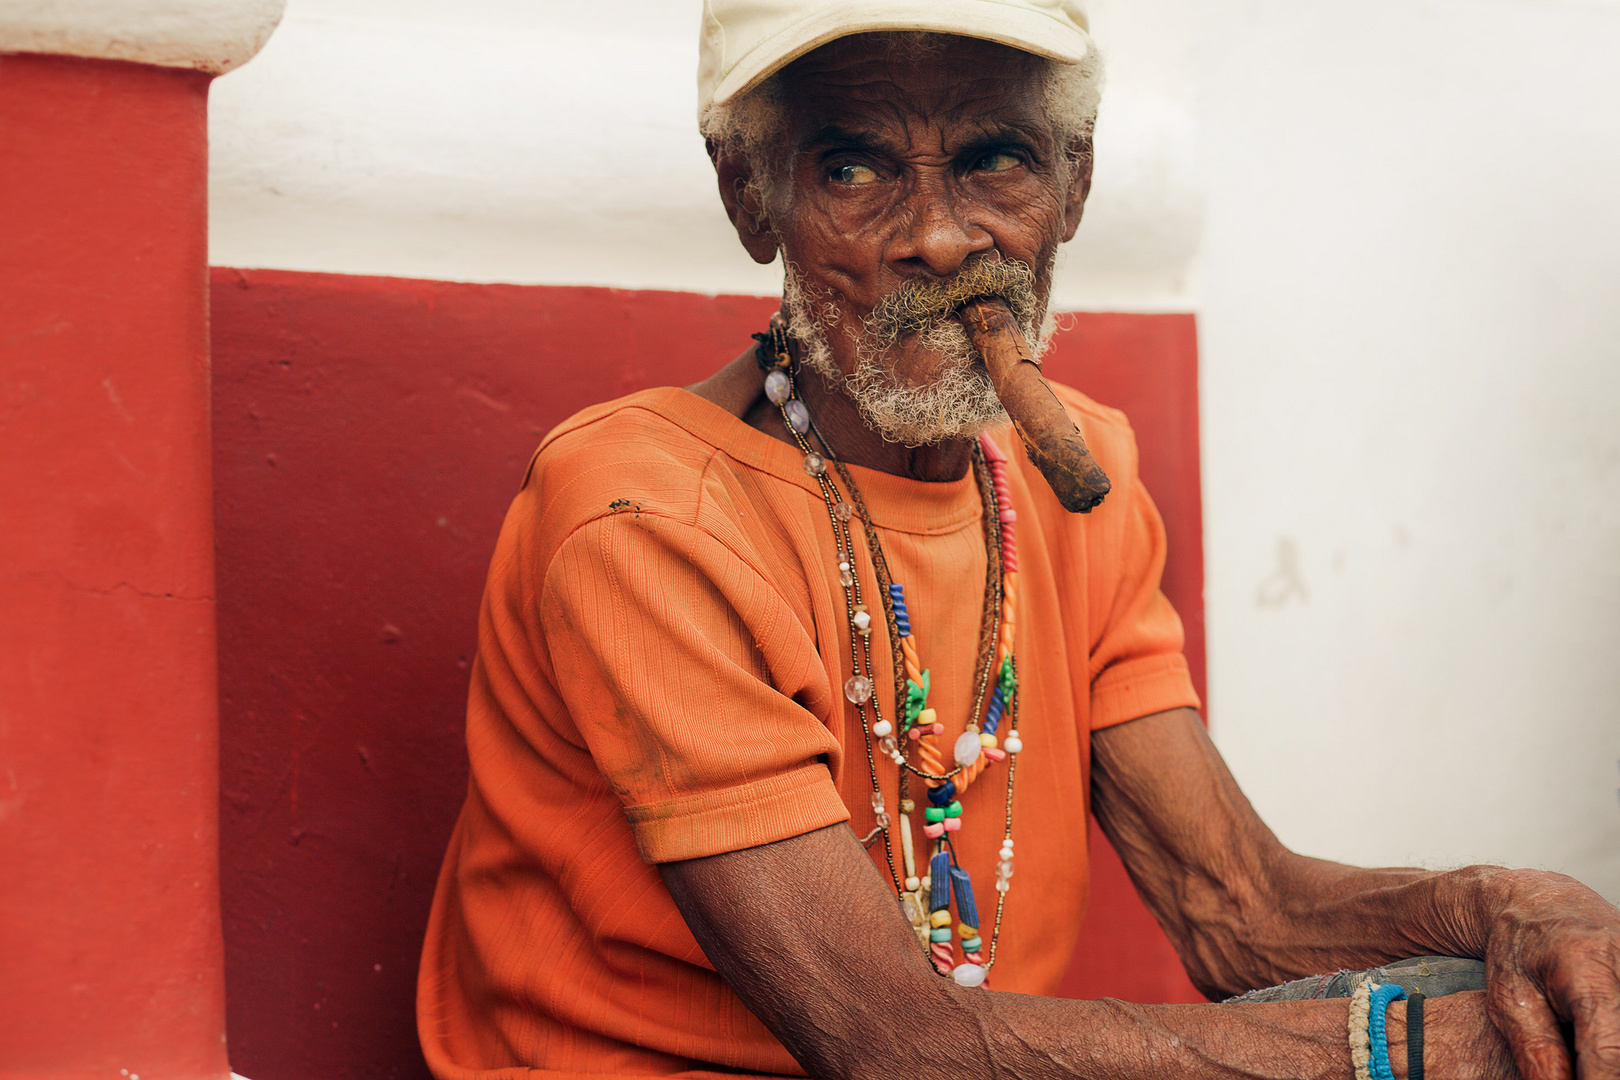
point(1552, 965)
point(1243, 911)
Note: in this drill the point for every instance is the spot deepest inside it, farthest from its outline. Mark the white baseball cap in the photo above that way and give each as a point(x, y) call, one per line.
point(744, 42)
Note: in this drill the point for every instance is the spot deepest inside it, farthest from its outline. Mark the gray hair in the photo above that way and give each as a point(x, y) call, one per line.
point(752, 124)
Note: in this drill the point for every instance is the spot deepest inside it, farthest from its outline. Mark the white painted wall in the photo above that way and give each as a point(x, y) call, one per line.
point(550, 142)
point(1394, 221)
point(1409, 311)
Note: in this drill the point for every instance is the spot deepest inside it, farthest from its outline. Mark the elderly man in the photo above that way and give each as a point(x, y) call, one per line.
point(783, 676)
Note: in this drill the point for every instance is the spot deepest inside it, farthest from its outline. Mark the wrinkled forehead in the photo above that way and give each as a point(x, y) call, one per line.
point(888, 79)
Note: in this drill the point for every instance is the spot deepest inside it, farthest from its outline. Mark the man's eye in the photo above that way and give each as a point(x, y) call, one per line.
point(998, 161)
point(852, 174)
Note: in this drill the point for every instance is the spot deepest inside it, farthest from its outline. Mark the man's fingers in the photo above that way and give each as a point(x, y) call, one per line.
point(1595, 1007)
point(1530, 1026)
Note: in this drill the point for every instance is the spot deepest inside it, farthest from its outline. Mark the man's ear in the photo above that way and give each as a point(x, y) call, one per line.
point(1079, 187)
point(741, 199)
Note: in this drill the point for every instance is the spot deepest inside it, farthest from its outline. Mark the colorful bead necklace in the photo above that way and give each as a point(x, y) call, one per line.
point(927, 900)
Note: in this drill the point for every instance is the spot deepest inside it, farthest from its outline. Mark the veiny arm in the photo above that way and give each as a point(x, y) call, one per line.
point(810, 936)
point(1243, 911)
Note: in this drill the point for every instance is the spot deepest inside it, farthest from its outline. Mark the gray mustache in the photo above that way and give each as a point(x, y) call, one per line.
point(918, 306)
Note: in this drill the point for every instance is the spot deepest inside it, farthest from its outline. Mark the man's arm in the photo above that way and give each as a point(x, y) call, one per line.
point(811, 937)
point(1243, 911)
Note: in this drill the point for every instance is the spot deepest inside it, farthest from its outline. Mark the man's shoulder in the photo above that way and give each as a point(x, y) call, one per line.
point(661, 453)
point(649, 428)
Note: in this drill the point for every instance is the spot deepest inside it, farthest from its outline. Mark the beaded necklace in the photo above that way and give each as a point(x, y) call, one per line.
point(926, 899)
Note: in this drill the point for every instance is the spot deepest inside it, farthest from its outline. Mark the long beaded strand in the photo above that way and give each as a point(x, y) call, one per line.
point(974, 748)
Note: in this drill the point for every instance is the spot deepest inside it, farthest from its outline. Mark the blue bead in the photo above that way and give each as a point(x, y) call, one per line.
point(966, 909)
point(939, 890)
point(992, 714)
point(942, 795)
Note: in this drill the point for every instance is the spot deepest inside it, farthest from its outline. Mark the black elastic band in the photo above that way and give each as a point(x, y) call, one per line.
point(1414, 1036)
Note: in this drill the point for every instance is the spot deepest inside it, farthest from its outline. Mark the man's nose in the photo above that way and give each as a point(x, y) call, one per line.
point(936, 234)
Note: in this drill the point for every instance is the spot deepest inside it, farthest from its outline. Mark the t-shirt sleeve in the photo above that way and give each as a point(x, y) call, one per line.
point(1137, 665)
point(689, 678)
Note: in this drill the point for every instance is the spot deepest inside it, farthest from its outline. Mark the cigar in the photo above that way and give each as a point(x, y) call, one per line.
point(1050, 438)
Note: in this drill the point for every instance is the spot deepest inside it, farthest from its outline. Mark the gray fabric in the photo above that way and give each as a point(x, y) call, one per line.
point(1432, 976)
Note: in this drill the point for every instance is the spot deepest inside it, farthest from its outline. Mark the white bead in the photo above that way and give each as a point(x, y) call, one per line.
point(1006, 853)
point(778, 387)
point(1013, 745)
point(877, 800)
point(858, 689)
point(814, 464)
point(968, 974)
point(913, 884)
point(1004, 868)
point(862, 620)
point(1002, 885)
point(882, 728)
point(798, 416)
point(968, 748)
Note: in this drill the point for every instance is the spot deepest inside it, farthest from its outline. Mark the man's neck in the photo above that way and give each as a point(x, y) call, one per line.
point(739, 389)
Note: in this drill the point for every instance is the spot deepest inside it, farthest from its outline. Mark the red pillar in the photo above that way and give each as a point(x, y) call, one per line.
point(110, 956)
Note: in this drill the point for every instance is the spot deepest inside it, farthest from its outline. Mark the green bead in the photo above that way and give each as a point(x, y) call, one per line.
point(939, 935)
point(916, 700)
point(954, 810)
point(934, 813)
point(972, 945)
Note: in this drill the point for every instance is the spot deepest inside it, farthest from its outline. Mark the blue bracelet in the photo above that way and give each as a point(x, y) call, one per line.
point(1376, 1007)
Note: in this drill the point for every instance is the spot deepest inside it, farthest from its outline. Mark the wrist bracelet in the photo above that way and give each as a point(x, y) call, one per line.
point(1356, 1026)
point(1378, 1039)
point(1414, 1036)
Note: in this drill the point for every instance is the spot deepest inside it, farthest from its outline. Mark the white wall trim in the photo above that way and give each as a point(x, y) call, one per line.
point(208, 35)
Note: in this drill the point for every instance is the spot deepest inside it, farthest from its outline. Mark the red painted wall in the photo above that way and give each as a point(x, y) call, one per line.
point(110, 953)
point(369, 434)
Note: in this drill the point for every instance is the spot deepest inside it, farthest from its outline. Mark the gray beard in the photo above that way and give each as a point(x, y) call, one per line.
point(959, 402)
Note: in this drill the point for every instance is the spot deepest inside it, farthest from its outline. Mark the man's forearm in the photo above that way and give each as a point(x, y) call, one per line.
point(1242, 910)
point(1324, 916)
point(833, 970)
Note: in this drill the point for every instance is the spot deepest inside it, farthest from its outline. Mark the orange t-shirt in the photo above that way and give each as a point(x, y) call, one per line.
point(662, 652)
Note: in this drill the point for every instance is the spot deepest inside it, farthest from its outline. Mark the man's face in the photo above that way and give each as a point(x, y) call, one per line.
point(909, 171)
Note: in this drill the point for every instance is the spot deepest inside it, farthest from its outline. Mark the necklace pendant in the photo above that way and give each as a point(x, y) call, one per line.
point(778, 387)
point(967, 748)
point(797, 415)
point(968, 974)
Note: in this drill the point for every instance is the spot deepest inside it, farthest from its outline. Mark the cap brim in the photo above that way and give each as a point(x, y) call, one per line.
point(1030, 31)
